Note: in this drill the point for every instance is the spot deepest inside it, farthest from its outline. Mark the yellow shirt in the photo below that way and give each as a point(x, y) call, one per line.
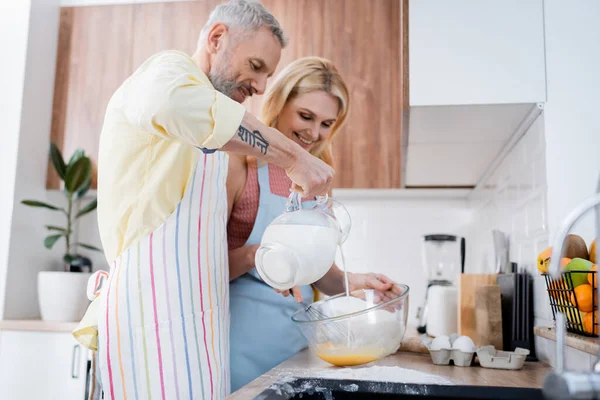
point(154, 124)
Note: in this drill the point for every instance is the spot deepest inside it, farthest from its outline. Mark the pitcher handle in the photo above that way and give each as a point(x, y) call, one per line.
point(294, 201)
point(322, 199)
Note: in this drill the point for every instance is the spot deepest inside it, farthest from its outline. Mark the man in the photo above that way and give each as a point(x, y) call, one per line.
point(164, 318)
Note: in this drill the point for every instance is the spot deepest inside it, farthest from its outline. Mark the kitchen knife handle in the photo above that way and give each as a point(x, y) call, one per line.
point(462, 254)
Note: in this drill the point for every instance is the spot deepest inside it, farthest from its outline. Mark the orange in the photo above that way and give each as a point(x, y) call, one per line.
point(593, 276)
point(583, 293)
point(588, 321)
point(593, 252)
point(564, 261)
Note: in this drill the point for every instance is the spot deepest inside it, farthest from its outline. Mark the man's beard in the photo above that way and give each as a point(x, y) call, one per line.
point(221, 78)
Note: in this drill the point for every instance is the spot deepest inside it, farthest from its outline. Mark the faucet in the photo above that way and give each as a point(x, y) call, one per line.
point(562, 384)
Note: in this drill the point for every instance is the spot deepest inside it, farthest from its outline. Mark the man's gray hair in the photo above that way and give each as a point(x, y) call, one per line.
point(243, 16)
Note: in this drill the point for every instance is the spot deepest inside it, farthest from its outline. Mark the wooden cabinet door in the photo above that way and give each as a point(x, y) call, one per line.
point(100, 46)
point(94, 58)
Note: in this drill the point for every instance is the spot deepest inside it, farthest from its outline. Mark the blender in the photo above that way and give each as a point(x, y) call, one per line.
point(443, 259)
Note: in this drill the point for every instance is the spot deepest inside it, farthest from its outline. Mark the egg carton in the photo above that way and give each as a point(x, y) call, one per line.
point(445, 355)
point(489, 357)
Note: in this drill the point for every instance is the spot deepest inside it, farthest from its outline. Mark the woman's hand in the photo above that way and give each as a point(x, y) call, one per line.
point(295, 291)
point(369, 281)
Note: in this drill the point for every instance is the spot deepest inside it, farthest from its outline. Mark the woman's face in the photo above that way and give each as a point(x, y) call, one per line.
point(308, 118)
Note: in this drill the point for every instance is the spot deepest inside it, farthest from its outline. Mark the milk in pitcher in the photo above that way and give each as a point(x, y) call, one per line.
point(303, 254)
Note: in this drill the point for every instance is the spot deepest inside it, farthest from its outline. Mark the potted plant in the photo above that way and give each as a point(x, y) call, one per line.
point(62, 294)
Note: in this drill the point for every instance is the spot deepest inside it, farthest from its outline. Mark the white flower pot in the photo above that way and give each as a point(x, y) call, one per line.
point(62, 295)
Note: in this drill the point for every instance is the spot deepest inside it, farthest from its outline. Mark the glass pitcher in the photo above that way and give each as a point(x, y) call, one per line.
point(299, 246)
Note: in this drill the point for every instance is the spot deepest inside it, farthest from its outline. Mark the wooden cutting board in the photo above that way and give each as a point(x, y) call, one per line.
point(488, 316)
point(467, 286)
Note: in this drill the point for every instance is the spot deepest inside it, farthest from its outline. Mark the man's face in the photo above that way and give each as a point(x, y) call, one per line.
point(242, 68)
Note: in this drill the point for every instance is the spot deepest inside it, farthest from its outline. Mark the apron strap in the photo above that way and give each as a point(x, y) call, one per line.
point(95, 283)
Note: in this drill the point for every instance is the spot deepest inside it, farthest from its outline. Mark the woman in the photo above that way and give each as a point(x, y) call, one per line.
point(308, 103)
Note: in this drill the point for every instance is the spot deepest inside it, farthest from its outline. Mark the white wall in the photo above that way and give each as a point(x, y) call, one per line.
point(386, 236)
point(34, 33)
point(513, 200)
point(14, 28)
point(572, 127)
point(572, 117)
point(27, 254)
point(563, 168)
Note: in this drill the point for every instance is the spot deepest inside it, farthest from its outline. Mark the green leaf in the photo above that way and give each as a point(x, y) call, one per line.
point(84, 190)
point(89, 246)
point(91, 206)
point(76, 156)
point(78, 175)
point(51, 240)
point(56, 228)
point(34, 203)
point(58, 161)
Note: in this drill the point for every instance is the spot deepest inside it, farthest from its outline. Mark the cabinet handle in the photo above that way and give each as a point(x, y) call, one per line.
point(76, 354)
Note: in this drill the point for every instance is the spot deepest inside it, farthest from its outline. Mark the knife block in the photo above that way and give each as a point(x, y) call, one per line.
point(517, 312)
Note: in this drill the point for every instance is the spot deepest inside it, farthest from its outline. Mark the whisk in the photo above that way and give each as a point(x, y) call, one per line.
point(333, 330)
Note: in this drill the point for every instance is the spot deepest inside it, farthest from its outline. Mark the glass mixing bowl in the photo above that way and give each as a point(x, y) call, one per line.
point(357, 329)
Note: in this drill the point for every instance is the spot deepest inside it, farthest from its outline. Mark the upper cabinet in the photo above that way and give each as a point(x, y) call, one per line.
point(477, 74)
point(100, 46)
point(476, 52)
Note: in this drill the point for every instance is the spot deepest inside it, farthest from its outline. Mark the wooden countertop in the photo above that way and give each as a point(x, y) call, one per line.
point(305, 364)
point(589, 345)
point(37, 326)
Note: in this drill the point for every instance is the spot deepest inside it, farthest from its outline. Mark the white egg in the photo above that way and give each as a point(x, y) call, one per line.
point(440, 342)
point(464, 343)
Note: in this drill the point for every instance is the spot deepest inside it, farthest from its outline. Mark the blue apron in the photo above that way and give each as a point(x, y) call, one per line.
point(262, 332)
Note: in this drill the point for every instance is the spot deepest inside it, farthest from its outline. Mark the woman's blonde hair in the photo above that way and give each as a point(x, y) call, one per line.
point(303, 76)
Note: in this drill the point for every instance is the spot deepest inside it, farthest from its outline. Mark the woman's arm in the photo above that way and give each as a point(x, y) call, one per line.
point(241, 260)
point(334, 283)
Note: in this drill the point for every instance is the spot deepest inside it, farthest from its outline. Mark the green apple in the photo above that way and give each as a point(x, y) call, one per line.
point(578, 264)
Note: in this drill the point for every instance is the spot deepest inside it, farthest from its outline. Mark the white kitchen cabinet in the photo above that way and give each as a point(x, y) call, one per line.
point(477, 77)
point(41, 365)
point(476, 52)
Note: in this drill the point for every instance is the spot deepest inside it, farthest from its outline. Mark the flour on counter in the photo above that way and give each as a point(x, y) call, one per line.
point(382, 374)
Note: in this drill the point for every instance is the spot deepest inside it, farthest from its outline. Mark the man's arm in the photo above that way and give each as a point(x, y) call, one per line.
point(166, 97)
point(310, 175)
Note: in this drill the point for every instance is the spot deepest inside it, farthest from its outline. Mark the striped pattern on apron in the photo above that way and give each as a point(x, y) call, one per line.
point(164, 329)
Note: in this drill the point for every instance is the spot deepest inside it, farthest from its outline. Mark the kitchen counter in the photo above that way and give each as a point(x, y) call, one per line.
point(586, 344)
point(37, 326)
point(305, 364)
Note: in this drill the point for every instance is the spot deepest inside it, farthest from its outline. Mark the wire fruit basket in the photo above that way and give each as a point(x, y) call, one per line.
point(575, 296)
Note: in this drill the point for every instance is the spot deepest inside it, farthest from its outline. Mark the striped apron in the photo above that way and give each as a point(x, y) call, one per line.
point(164, 329)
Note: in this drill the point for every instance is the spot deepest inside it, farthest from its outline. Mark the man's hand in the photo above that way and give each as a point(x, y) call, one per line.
point(310, 175)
